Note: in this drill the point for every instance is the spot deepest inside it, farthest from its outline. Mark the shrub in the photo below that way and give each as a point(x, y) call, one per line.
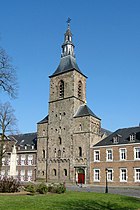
point(9, 185)
point(61, 188)
point(57, 188)
point(42, 188)
point(30, 188)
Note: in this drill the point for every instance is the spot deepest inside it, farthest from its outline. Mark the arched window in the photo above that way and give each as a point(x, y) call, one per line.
point(65, 172)
point(61, 89)
point(43, 153)
point(54, 172)
point(43, 133)
point(80, 127)
point(80, 151)
point(80, 89)
point(59, 153)
point(60, 140)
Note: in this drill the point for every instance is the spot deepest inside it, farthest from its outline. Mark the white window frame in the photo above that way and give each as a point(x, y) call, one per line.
point(22, 175)
point(2, 173)
point(122, 175)
point(95, 156)
point(96, 174)
point(132, 137)
point(136, 174)
point(17, 160)
point(8, 161)
point(115, 139)
point(29, 175)
point(110, 174)
point(135, 148)
point(3, 161)
point(30, 160)
point(122, 154)
point(107, 155)
point(23, 158)
point(8, 173)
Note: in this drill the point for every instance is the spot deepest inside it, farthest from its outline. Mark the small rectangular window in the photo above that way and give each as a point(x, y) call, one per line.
point(132, 137)
point(3, 161)
point(30, 160)
point(96, 175)
point(123, 154)
point(109, 155)
point(96, 155)
point(110, 175)
point(137, 174)
point(123, 175)
point(137, 153)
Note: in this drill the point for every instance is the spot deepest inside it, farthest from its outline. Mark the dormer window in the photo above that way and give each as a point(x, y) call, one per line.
point(132, 137)
point(25, 147)
point(116, 139)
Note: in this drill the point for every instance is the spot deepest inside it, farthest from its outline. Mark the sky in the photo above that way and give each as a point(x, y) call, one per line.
point(106, 34)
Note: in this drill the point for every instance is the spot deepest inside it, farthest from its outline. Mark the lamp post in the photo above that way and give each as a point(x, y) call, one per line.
point(106, 183)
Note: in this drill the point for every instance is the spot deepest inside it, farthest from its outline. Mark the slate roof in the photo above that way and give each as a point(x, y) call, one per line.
point(44, 120)
point(83, 111)
point(27, 139)
point(104, 131)
point(67, 63)
point(123, 137)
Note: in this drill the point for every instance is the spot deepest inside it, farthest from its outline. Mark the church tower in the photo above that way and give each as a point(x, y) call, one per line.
point(71, 126)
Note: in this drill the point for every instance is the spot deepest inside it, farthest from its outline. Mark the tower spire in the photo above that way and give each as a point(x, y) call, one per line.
point(68, 46)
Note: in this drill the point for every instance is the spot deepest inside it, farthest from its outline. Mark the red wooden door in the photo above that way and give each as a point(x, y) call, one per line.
point(81, 178)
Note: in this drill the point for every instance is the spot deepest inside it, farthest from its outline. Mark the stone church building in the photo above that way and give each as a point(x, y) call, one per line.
point(66, 134)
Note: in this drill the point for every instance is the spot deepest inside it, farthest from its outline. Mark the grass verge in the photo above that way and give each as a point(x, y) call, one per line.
point(69, 201)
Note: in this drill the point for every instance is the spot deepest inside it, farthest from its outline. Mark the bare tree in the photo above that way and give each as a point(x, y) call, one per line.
point(8, 126)
point(8, 79)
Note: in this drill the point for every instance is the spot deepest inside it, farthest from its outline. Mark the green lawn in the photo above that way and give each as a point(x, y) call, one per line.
point(69, 201)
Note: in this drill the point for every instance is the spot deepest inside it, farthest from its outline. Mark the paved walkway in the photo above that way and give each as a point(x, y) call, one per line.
point(129, 191)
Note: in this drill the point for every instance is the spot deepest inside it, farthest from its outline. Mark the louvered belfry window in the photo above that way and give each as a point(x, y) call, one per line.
point(80, 89)
point(61, 89)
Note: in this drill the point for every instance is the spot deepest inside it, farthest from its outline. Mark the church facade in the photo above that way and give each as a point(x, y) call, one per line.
point(67, 133)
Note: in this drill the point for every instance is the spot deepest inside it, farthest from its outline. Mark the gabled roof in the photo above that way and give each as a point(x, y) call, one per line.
point(83, 111)
point(45, 120)
point(123, 137)
point(67, 63)
point(106, 132)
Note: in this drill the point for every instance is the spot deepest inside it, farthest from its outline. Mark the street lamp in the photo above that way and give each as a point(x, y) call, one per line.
point(106, 183)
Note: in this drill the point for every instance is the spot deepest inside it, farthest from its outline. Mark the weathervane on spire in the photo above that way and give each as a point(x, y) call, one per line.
point(68, 22)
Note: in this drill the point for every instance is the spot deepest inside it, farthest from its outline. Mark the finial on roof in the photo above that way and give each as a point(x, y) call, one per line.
point(68, 22)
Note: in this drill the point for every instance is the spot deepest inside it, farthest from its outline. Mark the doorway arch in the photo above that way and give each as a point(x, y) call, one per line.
point(81, 176)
